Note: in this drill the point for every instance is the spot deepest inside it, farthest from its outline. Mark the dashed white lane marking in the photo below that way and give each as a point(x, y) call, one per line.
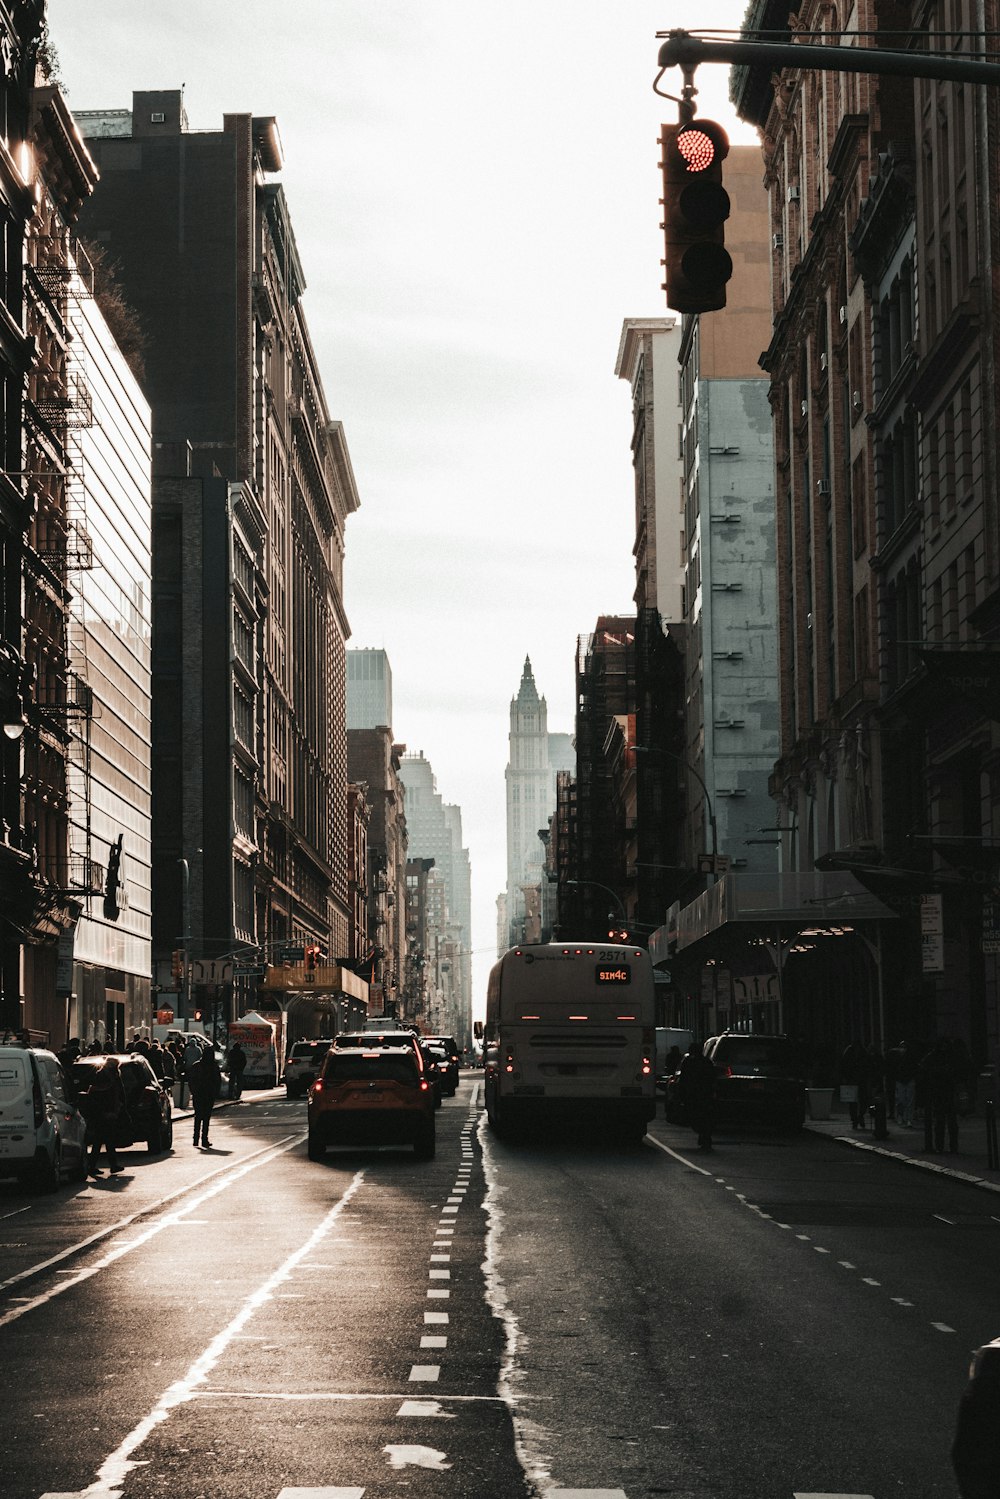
point(439, 1274)
point(416, 1457)
point(425, 1373)
point(585, 1494)
point(442, 1295)
point(431, 1318)
point(116, 1467)
point(868, 1281)
point(425, 1408)
point(820, 1250)
point(327, 1493)
point(831, 1496)
point(942, 1327)
point(440, 1257)
point(433, 1342)
point(847, 1264)
point(901, 1301)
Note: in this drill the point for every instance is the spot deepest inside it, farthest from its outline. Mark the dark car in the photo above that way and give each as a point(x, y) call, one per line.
point(452, 1057)
point(758, 1079)
point(372, 1096)
point(434, 1064)
point(147, 1116)
point(975, 1453)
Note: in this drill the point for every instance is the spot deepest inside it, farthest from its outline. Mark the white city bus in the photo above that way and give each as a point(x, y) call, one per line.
point(570, 1032)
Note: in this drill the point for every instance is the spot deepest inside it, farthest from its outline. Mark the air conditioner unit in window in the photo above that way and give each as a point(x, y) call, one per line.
point(856, 400)
point(804, 407)
point(843, 312)
point(793, 194)
point(777, 241)
point(823, 487)
point(822, 361)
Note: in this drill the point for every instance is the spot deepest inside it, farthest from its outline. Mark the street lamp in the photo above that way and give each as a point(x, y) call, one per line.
point(608, 890)
point(655, 749)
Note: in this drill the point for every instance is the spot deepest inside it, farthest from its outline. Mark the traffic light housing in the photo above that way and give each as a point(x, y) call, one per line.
point(695, 209)
point(312, 956)
point(177, 965)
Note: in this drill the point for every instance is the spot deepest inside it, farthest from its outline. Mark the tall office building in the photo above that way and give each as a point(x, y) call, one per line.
point(369, 689)
point(434, 831)
point(253, 486)
point(534, 758)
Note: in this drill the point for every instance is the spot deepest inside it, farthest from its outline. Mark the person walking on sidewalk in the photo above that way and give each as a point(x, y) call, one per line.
point(236, 1061)
point(905, 1073)
point(939, 1075)
point(855, 1082)
point(204, 1079)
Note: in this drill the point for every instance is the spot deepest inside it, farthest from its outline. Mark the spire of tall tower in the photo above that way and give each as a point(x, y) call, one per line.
point(528, 692)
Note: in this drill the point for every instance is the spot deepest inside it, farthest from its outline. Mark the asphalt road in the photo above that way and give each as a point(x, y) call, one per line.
point(784, 1317)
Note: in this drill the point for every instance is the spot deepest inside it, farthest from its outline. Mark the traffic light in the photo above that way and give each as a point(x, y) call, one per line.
point(617, 934)
point(312, 954)
point(695, 210)
point(177, 965)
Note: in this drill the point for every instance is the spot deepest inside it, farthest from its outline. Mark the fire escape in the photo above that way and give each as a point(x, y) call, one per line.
point(56, 290)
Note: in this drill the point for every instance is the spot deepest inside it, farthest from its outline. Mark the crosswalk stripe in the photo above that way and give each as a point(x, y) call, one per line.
point(832, 1496)
point(326, 1493)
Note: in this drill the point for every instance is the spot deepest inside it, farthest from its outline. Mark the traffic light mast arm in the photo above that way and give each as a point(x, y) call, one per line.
point(683, 50)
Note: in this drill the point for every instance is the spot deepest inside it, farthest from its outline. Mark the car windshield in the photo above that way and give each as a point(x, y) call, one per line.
point(358, 1068)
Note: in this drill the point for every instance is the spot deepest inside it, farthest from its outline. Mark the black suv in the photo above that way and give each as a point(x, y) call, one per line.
point(760, 1079)
point(449, 1071)
point(147, 1115)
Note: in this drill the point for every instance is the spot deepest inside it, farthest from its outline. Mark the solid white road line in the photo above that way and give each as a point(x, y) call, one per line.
point(117, 1466)
point(326, 1493)
point(120, 1223)
point(684, 1162)
point(169, 1220)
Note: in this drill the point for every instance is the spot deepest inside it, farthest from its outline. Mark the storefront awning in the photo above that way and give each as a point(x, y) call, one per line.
point(794, 899)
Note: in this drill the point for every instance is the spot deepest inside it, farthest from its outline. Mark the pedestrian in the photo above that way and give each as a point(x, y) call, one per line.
point(696, 1081)
point(673, 1062)
point(103, 1104)
point(236, 1061)
point(203, 1078)
point(939, 1074)
point(855, 1072)
point(904, 1067)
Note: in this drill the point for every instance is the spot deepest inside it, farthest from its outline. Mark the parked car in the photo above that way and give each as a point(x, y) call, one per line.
point(452, 1058)
point(303, 1065)
point(147, 1116)
point(372, 1096)
point(759, 1079)
point(42, 1131)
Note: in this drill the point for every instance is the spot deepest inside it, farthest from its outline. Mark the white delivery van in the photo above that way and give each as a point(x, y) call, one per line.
point(667, 1037)
point(42, 1132)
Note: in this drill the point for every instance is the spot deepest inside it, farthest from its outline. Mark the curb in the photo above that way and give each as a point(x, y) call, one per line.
point(967, 1177)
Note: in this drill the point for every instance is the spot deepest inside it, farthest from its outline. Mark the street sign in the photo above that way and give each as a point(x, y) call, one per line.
point(291, 954)
point(257, 972)
point(211, 971)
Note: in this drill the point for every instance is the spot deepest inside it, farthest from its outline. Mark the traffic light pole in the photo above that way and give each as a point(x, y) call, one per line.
point(681, 49)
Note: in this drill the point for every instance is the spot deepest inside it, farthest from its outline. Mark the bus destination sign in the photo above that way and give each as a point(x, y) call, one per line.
point(619, 973)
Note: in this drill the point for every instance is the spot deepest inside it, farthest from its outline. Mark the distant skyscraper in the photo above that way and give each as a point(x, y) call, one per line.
point(535, 756)
point(369, 690)
point(434, 830)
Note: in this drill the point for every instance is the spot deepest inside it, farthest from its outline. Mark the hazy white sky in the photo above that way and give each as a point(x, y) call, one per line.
point(474, 195)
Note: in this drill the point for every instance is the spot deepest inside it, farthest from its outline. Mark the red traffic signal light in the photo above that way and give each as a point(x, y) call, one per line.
point(695, 209)
point(312, 954)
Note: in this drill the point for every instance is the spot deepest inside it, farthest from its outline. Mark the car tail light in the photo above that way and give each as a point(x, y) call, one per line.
point(647, 1066)
point(424, 1085)
point(727, 1071)
point(509, 1064)
point(317, 1086)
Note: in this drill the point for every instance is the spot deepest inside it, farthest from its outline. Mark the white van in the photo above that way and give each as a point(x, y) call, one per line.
point(42, 1132)
point(667, 1037)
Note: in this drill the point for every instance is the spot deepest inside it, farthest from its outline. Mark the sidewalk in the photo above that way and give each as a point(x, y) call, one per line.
point(968, 1164)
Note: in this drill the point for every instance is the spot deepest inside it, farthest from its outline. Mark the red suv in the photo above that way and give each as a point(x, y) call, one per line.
point(372, 1095)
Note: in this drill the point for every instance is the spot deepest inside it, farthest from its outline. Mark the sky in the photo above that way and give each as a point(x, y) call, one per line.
point(473, 191)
